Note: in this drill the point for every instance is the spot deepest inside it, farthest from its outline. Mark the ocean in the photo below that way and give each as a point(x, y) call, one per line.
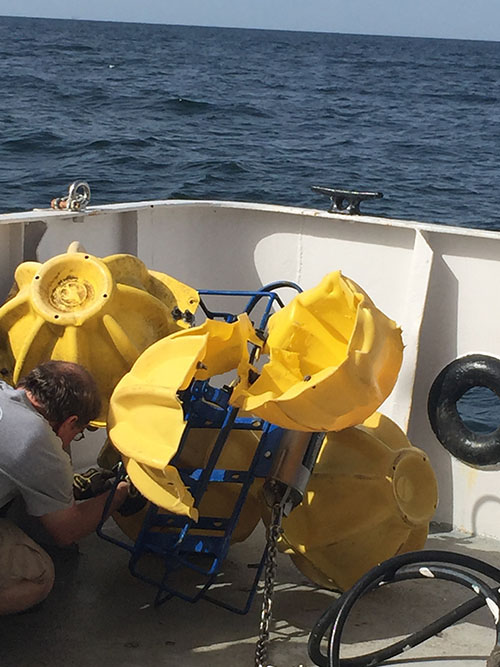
point(158, 111)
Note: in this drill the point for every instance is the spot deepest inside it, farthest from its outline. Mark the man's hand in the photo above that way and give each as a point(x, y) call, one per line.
point(134, 502)
point(120, 496)
point(92, 483)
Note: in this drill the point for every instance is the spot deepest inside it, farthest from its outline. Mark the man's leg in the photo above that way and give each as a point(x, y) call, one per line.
point(26, 570)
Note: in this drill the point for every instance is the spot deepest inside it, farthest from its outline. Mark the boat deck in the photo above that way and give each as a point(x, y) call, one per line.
point(98, 614)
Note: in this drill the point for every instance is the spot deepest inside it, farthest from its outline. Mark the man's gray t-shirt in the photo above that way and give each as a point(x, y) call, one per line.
point(32, 460)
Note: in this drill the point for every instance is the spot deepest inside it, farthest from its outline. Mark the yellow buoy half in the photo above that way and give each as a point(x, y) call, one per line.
point(371, 496)
point(146, 419)
point(101, 313)
point(333, 359)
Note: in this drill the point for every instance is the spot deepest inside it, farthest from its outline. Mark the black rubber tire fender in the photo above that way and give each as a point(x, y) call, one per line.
point(462, 374)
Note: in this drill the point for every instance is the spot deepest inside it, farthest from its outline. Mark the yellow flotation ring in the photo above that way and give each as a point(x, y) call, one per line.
point(101, 313)
point(371, 496)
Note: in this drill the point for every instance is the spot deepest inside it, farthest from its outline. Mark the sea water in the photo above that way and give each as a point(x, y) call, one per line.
point(157, 111)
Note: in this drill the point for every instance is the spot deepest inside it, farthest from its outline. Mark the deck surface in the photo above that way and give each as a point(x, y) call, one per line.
point(98, 614)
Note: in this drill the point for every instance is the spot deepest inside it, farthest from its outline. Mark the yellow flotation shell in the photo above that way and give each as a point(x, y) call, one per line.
point(146, 419)
point(334, 358)
point(101, 313)
point(371, 496)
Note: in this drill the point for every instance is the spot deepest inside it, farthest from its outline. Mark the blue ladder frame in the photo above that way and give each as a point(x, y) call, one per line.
point(177, 545)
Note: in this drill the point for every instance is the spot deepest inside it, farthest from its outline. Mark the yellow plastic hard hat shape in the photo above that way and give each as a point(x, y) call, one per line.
point(146, 419)
point(333, 359)
point(371, 496)
point(219, 499)
point(101, 313)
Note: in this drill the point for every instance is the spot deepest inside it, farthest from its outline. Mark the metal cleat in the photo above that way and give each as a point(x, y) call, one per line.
point(345, 201)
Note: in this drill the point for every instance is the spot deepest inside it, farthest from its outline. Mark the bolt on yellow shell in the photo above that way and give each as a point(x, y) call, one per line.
point(371, 496)
point(101, 313)
point(333, 359)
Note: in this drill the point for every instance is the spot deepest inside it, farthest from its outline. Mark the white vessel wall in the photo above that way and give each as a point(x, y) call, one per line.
point(437, 283)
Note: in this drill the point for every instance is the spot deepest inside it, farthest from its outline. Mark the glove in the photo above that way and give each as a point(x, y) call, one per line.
point(92, 483)
point(133, 503)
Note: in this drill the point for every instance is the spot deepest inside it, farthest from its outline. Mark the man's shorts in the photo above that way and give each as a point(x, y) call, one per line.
point(22, 559)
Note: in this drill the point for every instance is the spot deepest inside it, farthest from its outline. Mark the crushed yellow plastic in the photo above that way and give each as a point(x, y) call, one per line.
point(146, 419)
point(333, 359)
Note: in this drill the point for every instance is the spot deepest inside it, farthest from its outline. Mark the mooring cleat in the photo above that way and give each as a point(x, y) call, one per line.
point(345, 201)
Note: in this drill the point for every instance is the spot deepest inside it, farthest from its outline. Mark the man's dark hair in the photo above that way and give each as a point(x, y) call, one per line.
point(63, 389)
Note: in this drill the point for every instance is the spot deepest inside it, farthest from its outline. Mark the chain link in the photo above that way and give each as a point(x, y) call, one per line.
point(273, 534)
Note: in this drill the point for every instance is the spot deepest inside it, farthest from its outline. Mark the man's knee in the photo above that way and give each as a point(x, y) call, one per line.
point(26, 570)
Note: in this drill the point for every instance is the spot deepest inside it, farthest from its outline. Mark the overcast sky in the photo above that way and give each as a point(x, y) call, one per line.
point(462, 19)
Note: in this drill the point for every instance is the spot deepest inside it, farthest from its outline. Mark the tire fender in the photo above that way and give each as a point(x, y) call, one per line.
point(462, 374)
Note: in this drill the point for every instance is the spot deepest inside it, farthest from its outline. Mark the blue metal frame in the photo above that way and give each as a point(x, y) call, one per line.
point(177, 545)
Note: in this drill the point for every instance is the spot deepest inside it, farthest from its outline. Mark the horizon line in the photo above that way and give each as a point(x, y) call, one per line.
point(237, 27)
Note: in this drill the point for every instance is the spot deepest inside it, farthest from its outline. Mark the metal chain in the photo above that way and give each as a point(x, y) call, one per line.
point(273, 534)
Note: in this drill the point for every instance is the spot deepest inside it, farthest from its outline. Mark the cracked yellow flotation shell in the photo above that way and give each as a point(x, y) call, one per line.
point(371, 496)
point(101, 313)
point(333, 359)
point(146, 419)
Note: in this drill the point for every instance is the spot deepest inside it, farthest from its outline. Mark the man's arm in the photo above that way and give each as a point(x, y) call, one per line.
point(69, 525)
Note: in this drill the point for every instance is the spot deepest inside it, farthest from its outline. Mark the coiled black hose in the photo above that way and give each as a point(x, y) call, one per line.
point(447, 565)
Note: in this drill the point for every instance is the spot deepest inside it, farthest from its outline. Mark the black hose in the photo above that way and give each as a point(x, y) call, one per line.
point(418, 565)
